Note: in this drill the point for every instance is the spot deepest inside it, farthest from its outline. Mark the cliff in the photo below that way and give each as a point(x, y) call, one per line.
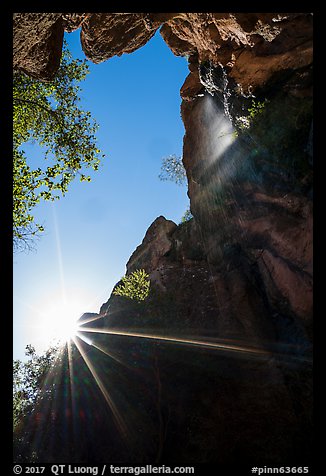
point(231, 289)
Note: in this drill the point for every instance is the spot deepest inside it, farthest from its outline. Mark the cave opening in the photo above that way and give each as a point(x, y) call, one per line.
point(135, 99)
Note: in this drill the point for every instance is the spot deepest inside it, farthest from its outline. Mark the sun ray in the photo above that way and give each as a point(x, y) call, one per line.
point(90, 319)
point(82, 337)
point(71, 383)
point(110, 354)
point(118, 419)
point(59, 253)
point(178, 340)
point(222, 346)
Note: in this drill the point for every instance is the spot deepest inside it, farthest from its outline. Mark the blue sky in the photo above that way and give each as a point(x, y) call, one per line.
point(91, 233)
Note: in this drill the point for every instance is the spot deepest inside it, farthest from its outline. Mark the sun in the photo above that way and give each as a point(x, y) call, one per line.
point(55, 319)
point(60, 321)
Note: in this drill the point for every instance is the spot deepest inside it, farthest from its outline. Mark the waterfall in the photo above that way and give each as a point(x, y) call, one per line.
point(206, 77)
point(226, 93)
point(214, 84)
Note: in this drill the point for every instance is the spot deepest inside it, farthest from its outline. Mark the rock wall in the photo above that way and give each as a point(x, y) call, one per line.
point(239, 273)
point(255, 47)
point(223, 372)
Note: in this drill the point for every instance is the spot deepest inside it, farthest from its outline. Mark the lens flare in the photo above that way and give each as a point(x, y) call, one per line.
point(60, 322)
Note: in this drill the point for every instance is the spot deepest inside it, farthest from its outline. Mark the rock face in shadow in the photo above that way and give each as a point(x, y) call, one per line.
point(224, 340)
point(247, 294)
point(215, 366)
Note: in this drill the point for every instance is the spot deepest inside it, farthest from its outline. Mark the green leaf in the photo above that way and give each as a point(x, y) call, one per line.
point(50, 115)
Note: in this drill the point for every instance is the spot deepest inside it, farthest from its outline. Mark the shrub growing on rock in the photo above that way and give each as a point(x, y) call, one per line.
point(134, 286)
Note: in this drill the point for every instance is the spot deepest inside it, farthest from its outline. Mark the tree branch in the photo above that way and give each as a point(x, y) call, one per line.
point(41, 106)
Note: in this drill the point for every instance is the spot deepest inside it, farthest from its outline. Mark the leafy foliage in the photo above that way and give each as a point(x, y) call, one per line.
point(134, 286)
point(173, 169)
point(242, 123)
point(256, 108)
point(48, 114)
point(187, 216)
point(29, 381)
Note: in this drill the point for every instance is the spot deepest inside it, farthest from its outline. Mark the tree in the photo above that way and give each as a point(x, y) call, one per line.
point(28, 381)
point(134, 286)
point(34, 383)
point(173, 169)
point(187, 216)
point(48, 114)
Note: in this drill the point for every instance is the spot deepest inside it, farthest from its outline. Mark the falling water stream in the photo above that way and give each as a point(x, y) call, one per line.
point(208, 79)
